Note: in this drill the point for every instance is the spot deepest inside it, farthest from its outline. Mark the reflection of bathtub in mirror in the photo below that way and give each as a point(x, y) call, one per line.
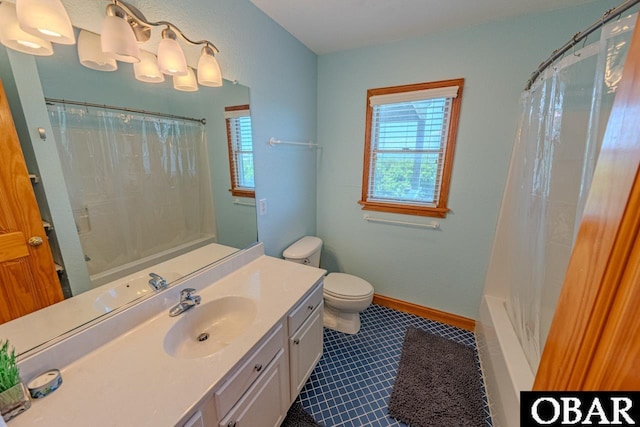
point(128, 289)
point(45, 326)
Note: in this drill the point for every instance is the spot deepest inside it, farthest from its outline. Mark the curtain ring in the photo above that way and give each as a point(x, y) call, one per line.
point(576, 40)
point(584, 43)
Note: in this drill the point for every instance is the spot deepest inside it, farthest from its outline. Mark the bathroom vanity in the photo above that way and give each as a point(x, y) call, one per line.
point(263, 320)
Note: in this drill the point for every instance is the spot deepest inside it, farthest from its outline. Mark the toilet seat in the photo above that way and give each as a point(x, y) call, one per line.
point(346, 286)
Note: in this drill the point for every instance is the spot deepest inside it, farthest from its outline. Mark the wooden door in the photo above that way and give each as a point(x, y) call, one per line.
point(593, 342)
point(28, 279)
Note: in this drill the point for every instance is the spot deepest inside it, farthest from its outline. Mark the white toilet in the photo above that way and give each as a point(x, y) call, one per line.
point(345, 296)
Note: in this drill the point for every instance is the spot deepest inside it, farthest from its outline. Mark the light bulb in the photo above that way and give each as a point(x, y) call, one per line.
point(118, 40)
point(186, 83)
point(209, 73)
point(13, 37)
point(90, 53)
point(147, 69)
point(47, 19)
point(171, 58)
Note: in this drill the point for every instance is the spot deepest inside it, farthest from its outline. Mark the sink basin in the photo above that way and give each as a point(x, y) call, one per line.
point(209, 327)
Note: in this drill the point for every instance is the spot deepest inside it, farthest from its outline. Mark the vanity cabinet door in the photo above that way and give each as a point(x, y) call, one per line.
point(305, 350)
point(265, 403)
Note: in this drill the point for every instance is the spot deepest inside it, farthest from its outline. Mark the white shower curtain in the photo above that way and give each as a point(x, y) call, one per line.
point(563, 120)
point(138, 184)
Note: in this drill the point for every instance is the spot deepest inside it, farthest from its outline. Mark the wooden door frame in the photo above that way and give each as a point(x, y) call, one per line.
point(595, 309)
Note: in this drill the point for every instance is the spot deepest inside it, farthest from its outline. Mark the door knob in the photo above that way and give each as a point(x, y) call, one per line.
point(35, 241)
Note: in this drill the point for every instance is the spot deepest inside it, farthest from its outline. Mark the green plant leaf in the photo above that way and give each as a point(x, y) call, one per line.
point(9, 373)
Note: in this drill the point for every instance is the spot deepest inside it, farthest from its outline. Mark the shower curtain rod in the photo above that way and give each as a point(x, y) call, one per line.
point(608, 16)
point(128, 110)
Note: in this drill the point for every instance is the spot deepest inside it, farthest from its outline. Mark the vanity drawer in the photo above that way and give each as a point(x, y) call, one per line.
point(265, 403)
point(299, 314)
point(232, 389)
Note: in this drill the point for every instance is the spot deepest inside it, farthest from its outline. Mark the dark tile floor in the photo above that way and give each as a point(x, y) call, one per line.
point(352, 383)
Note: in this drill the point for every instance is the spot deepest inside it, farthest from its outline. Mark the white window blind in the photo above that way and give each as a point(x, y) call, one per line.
point(236, 113)
point(241, 148)
point(409, 133)
point(416, 95)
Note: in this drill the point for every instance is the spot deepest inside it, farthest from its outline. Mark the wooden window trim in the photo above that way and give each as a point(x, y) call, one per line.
point(235, 191)
point(441, 208)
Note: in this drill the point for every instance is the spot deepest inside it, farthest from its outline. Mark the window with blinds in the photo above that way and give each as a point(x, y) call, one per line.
point(409, 143)
point(240, 142)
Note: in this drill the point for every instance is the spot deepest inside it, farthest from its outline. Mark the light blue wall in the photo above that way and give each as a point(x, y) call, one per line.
point(442, 269)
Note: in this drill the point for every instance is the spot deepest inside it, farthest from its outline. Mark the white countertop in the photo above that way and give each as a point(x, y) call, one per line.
point(131, 381)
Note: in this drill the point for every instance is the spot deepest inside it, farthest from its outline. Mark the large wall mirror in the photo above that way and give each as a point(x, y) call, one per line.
point(124, 219)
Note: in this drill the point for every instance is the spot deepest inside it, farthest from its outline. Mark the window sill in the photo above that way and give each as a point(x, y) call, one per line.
point(404, 209)
point(243, 193)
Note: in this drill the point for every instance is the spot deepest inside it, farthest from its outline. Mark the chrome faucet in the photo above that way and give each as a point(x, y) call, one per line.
point(187, 301)
point(157, 282)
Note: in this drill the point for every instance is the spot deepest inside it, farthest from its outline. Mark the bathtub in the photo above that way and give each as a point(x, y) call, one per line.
point(116, 273)
point(504, 365)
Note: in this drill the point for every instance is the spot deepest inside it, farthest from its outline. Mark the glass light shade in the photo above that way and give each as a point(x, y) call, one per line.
point(147, 69)
point(118, 40)
point(186, 83)
point(90, 53)
point(209, 73)
point(171, 58)
point(47, 19)
point(13, 37)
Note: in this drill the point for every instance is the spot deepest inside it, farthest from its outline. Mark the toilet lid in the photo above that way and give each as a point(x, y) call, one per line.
point(346, 286)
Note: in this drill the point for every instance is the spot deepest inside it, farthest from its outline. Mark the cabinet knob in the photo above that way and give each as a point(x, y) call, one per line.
point(310, 307)
point(296, 341)
point(258, 367)
point(35, 241)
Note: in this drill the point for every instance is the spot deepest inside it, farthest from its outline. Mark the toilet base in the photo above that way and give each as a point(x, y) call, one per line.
point(341, 321)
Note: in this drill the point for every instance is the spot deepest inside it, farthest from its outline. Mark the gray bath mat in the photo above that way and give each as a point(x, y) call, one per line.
point(297, 417)
point(438, 383)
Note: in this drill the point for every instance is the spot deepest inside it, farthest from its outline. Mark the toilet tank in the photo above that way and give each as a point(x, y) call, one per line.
point(305, 251)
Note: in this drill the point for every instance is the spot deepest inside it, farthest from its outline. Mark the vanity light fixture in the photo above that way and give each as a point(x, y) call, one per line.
point(13, 37)
point(209, 73)
point(90, 53)
point(46, 19)
point(186, 83)
point(171, 58)
point(147, 69)
point(30, 25)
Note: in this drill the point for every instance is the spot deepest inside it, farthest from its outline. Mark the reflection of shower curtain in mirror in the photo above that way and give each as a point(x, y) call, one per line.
point(138, 185)
point(563, 120)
